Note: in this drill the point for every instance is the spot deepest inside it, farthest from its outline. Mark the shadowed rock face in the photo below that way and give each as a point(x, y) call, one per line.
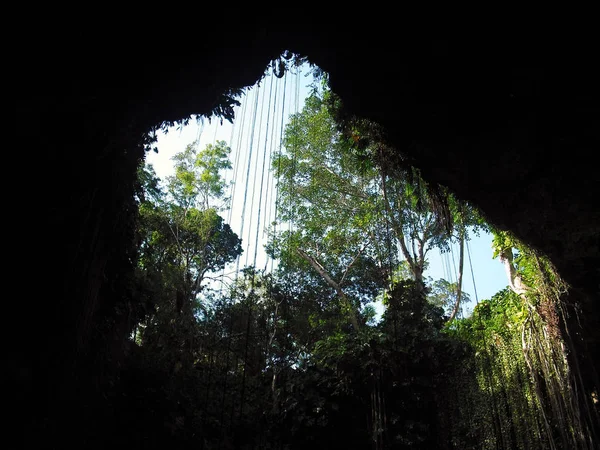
point(508, 124)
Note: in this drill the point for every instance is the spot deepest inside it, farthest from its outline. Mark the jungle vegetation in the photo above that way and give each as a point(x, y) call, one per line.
point(293, 358)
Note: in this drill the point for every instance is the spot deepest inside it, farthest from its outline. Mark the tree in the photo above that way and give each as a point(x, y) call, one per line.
point(348, 214)
point(182, 241)
point(443, 294)
point(328, 204)
point(198, 237)
point(197, 181)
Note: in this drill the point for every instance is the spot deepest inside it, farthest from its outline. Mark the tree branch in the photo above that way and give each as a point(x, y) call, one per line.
point(351, 263)
point(319, 268)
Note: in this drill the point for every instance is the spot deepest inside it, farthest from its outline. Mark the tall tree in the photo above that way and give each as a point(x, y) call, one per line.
point(328, 206)
point(183, 239)
point(347, 214)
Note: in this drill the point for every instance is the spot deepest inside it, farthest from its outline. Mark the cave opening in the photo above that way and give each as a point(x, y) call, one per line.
point(263, 322)
point(86, 203)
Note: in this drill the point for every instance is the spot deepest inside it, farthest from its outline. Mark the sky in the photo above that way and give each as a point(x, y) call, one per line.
point(255, 134)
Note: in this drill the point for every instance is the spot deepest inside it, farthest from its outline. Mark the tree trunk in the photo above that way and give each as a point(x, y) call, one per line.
point(416, 267)
point(515, 281)
point(461, 261)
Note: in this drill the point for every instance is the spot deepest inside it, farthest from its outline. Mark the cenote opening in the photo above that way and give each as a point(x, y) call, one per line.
point(315, 323)
point(347, 255)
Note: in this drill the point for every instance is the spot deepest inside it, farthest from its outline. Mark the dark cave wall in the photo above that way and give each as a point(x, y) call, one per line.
point(509, 125)
point(83, 119)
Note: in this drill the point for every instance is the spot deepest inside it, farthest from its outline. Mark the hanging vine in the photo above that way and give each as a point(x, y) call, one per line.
point(528, 392)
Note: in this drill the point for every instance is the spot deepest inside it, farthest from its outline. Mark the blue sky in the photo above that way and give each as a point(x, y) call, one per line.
point(256, 133)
